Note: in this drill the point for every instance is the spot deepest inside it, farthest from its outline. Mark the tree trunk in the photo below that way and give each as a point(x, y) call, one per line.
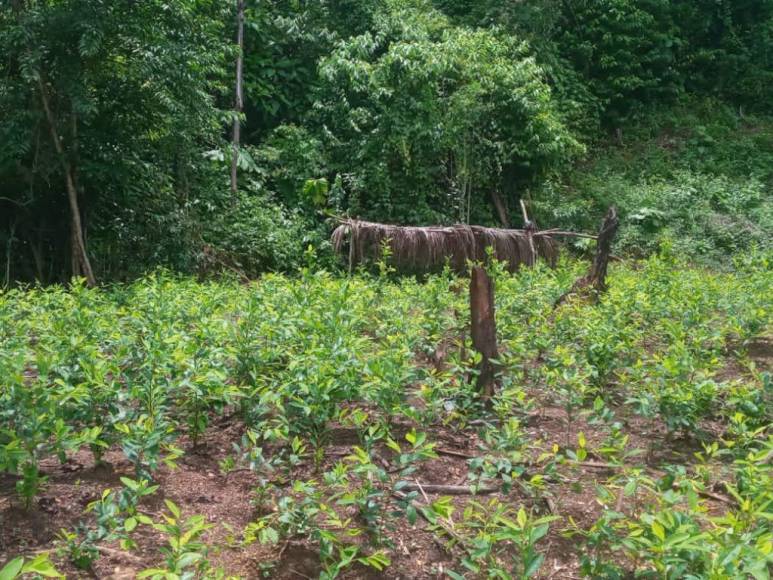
point(598, 271)
point(81, 263)
point(239, 101)
point(36, 247)
point(9, 252)
point(499, 205)
point(596, 278)
point(483, 329)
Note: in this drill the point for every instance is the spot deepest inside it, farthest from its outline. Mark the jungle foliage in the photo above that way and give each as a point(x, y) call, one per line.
point(407, 111)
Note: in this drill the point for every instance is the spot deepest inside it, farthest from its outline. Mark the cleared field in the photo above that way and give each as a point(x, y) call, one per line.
point(328, 426)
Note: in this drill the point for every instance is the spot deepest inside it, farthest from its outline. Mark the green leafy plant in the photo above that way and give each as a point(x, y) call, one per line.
point(186, 554)
point(39, 566)
point(486, 528)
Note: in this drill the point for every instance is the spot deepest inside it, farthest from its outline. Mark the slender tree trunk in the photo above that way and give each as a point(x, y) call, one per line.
point(9, 252)
point(75, 262)
point(239, 101)
point(36, 247)
point(483, 329)
point(499, 205)
point(81, 263)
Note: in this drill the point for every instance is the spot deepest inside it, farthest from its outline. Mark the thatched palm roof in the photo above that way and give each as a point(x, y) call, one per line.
point(426, 249)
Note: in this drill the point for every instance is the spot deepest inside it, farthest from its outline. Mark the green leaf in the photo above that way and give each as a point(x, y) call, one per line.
point(378, 560)
point(12, 569)
point(539, 532)
point(658, 530)
point(188, 559)
point(533, 566)
point(522, 518)
point(172, 508)
point(443, 507)
point(393, 445)
point(410, 513)
point(130, 483)
point(150, 572)
point(43, 566)
point(269, 535)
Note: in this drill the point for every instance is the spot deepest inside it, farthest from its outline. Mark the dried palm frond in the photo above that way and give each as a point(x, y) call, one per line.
point(427, 249)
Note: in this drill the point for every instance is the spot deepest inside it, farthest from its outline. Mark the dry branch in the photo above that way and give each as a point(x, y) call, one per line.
point(450, 489)
point(453, 453)
point(565, 234)
point(128, 556)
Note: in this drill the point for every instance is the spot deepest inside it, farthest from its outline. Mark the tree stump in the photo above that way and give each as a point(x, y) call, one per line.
point(595, 280)
point(598, 272)
point(484, 329)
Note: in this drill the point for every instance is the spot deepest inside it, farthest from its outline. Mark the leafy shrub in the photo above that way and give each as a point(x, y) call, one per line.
point(703, 216)
point(252, 235)
point(423, 120)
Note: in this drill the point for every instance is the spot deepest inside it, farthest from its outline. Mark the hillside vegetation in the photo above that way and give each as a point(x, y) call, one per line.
point(117, 120)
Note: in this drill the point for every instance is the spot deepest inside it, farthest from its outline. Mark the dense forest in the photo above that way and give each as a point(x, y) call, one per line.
point(386, 289)
point(121, 123)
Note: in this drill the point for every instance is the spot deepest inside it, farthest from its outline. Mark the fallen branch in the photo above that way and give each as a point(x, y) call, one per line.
point(450, 489)
point(717, 497)
point(421, 489)
point(453, 453)
point(565, 234)
point(231, 472)
point(595, 464)
point(476, 422)
point(611, 466)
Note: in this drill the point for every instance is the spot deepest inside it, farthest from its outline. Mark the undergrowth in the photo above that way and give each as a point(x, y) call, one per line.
point(698, 175)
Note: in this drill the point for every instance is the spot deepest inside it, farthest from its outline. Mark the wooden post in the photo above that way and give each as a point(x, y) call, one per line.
point(530, 228)
point(484, 329)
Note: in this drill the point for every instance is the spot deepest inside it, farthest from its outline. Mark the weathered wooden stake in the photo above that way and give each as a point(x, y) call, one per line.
point(484, 329)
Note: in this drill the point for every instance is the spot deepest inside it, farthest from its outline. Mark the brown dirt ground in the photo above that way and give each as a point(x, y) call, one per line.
point(198, 487)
